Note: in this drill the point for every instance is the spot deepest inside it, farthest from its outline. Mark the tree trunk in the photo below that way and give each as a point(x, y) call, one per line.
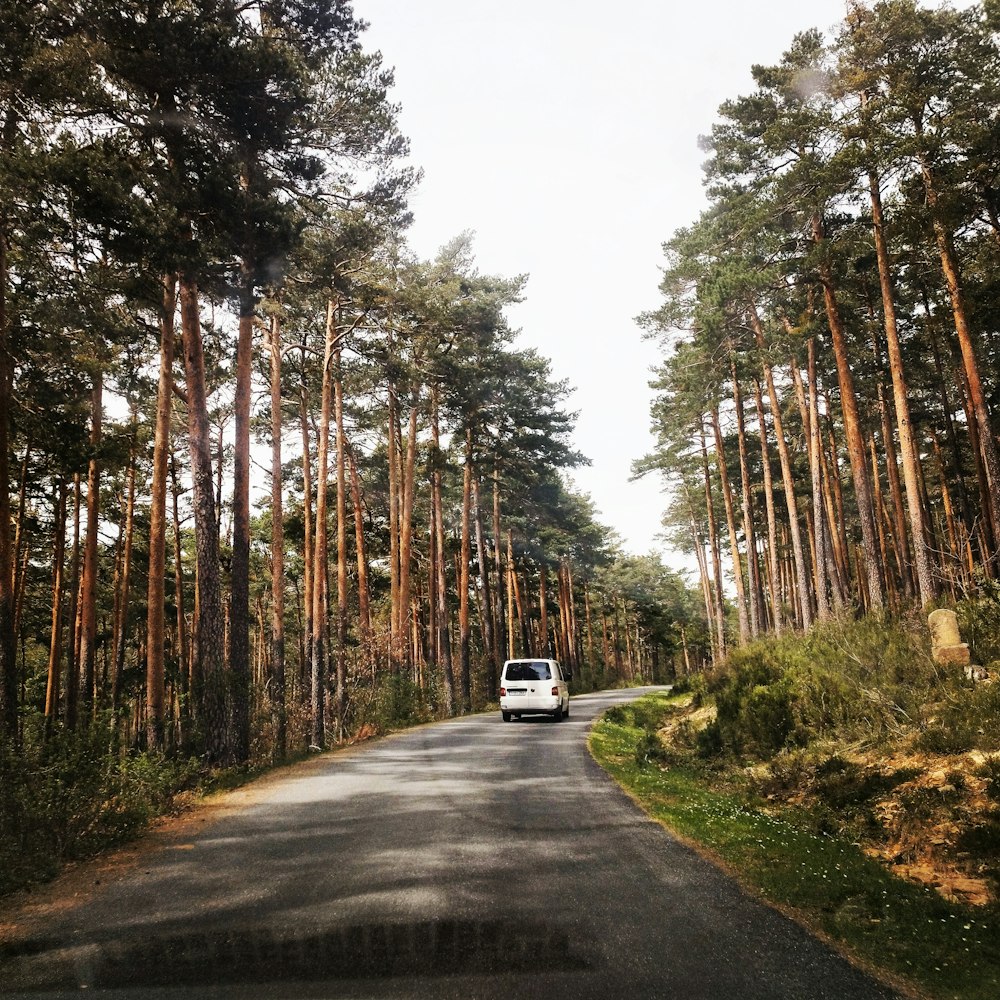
point(488, 612)
point(392, 454)
point(503, 639)
point(342, 622)
point(55, 643)
point(21, 556)
point(239, 597)
point(900, 395)
point(184, 659)
point(364, 603)
point(443, 620)
point(816, 471)
point(277, 670)
point(787, 478)
point(406, 516)
point(852, 426)
point(510, 599)
point(73, 646)
point(977, 396)
point(464, 631)
point(308, 550)
point(121, 618)
point(727, 496)
point(88, 632)
point(8, 642)
point(320, 577)
point(210, 630)
point(155, 593)
point(713, 541)
point(749, 534)
point(772, 522)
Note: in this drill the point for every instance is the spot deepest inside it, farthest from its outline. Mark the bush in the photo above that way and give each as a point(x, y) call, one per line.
point(843, 785)
point(990, 770)
point(862, 681)
point(754, 706)
point(73, 794)
point(399, 703)
point(979, 622)
point(970, 720)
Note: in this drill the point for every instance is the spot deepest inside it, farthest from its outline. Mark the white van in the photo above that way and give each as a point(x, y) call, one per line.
point(534, 687)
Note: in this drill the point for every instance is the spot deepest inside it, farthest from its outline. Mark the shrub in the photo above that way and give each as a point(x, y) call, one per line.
point(990, 770)
point(400, 703)
point(979, 622)
point(73, 794)
point(970, 720)
point(984, 837)
point(754, 706)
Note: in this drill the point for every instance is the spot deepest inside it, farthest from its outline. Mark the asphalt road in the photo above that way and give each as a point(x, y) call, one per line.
point(468, 859)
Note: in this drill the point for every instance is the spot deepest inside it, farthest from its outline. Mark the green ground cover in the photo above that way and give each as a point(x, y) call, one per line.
point(906, 931)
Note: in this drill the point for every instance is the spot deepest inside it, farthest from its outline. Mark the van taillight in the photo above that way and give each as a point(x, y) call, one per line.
point(555, 691)
point(503, 692)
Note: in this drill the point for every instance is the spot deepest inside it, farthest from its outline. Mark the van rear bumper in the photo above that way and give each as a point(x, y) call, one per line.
point(528, 705)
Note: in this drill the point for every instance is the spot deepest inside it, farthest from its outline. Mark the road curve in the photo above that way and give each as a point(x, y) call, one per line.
point(468, 859)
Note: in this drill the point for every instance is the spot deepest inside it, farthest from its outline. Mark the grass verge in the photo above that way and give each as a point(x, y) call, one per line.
point(908, 932)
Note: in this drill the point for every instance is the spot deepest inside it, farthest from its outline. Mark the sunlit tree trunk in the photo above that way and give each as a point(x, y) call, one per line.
point(510, 599)
point(406, 517)
point(814, 432)
point(852, 426)
point(900, 395)
point(320, 577)
point(787, 478)
point(976, 393)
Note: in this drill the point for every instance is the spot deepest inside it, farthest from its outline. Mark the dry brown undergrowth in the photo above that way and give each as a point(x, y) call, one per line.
point(915, 828)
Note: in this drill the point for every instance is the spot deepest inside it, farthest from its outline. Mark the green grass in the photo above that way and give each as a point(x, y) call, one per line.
point(946, 949)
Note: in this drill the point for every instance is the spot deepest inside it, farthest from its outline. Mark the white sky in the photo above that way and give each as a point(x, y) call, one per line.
point(565, 135)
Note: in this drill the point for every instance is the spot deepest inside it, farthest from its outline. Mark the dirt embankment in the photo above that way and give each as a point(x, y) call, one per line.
point(933, 819)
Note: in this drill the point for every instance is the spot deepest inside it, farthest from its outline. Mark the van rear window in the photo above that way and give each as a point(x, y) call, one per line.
point(529, 670)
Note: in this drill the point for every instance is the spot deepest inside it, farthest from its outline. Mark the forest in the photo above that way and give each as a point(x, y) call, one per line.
point(826, 403)
point(268, 480)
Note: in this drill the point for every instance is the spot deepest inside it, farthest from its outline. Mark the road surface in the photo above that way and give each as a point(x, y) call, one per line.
point(474, 858)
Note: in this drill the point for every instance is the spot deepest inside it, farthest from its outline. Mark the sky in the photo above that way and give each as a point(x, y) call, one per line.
point(565, 135)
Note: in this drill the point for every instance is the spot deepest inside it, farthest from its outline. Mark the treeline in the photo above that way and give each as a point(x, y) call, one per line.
point(266, 478)
point(826, 405)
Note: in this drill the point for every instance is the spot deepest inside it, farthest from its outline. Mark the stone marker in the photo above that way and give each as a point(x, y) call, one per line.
point(947, 648)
